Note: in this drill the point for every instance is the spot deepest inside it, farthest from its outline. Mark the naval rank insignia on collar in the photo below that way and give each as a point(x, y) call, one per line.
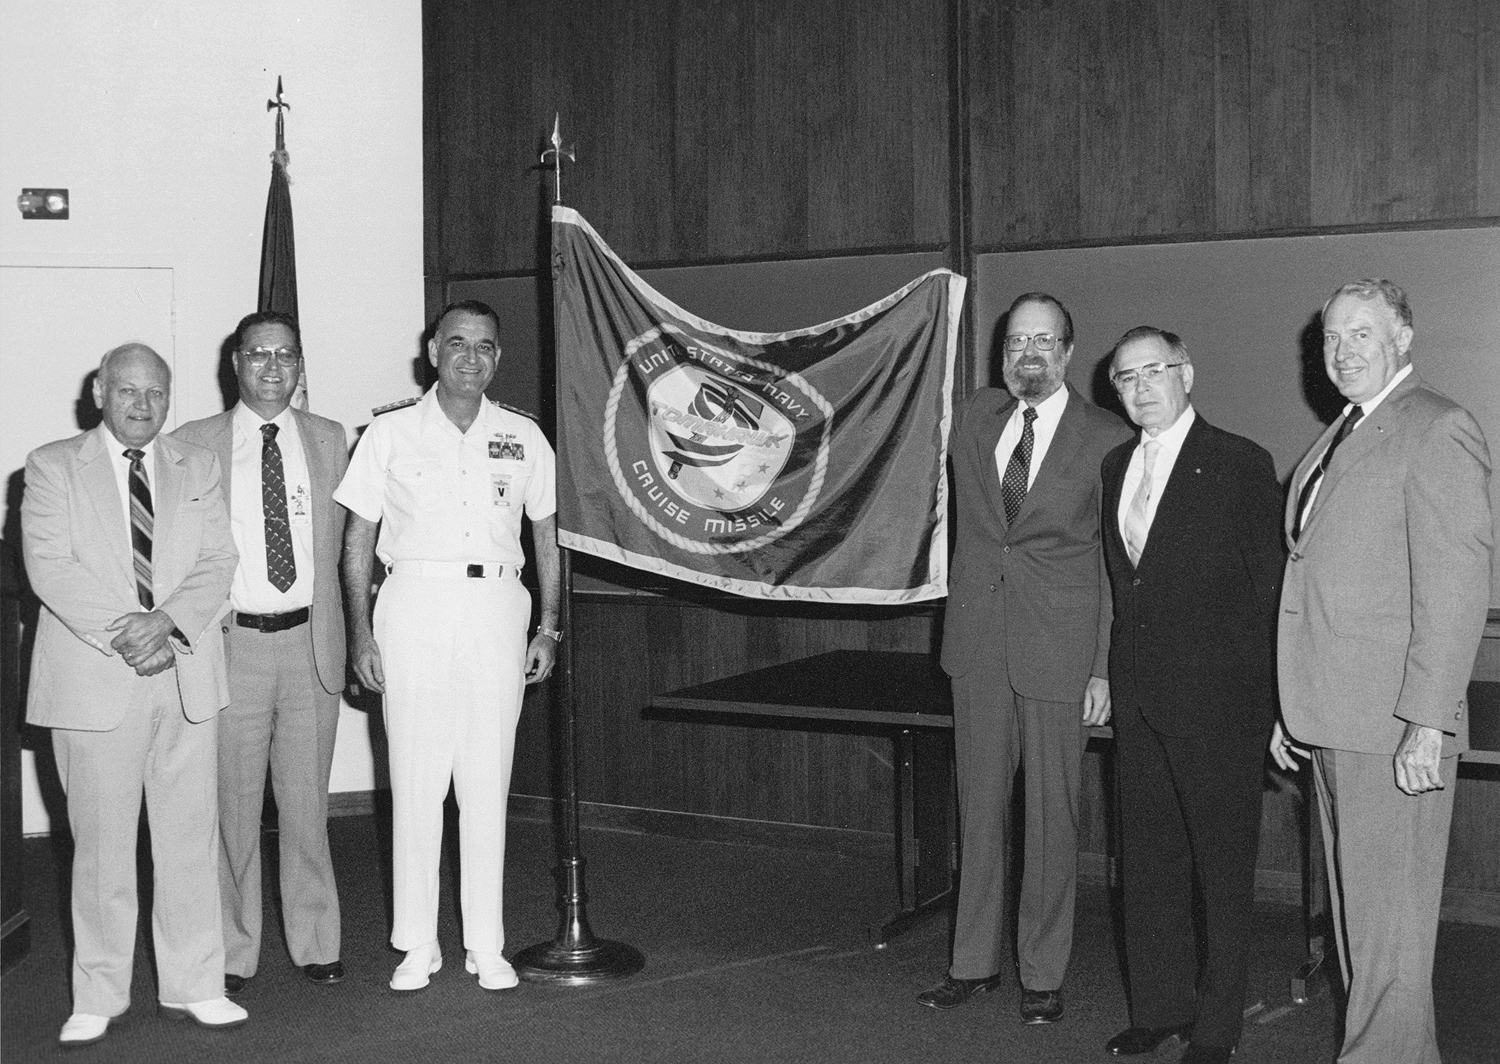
point(512, 409)
point(399, 404)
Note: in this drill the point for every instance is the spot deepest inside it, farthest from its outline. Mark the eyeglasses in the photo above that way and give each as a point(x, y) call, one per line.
point(1151, 373)
point(285, 356)
point(1018, 341)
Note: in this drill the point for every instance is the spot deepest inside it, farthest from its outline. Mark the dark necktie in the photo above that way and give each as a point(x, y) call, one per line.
point(281, 566)
point(1018, 470)
point(1316, 476)
point(142, 519)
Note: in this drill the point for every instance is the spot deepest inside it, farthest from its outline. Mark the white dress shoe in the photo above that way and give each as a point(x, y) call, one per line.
point(494, 971)
point(412, 973)
point(83, 1029)
point(216, 1012)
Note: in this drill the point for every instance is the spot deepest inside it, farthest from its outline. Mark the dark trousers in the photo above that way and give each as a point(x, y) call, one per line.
point(1190, 828)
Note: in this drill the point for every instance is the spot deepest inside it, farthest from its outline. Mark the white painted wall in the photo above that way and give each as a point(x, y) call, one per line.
point(152, 113)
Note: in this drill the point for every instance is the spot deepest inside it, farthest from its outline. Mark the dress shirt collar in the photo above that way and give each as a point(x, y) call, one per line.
point(249, 422)
point(116, 450)
point(434, 417)
point(1048, 412)
point(1170, 438)
point(1368, 408)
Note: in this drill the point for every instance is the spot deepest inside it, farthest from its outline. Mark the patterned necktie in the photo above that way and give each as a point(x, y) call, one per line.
point(281, 566)
point(1018, 470)
point(142, 519)
point(1136, 524)
point(1316, 476)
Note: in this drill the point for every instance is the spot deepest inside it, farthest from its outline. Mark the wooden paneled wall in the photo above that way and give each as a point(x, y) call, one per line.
point(724, 129)
point(728, 130)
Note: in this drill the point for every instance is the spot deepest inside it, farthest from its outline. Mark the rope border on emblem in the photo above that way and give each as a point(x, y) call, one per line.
point(612, 452)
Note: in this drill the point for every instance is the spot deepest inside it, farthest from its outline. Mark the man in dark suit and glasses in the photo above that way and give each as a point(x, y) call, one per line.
point(1190, 536)
point(1025, 639)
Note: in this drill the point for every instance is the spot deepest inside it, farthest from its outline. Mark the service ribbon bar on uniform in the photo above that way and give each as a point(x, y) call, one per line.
point(803, 465)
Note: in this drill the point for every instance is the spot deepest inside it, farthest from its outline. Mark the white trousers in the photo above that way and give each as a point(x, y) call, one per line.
point(454, 653)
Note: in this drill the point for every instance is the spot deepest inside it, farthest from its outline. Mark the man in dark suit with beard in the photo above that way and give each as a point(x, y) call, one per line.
point(1025, 641)
point(1192, 542)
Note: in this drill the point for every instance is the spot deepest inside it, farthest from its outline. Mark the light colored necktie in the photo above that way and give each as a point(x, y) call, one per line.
point(1136, 522)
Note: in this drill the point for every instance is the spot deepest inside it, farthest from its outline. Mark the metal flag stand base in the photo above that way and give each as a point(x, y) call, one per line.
point(574, 957)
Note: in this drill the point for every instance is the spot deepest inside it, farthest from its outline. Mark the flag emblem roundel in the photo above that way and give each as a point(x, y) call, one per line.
point(714, 452)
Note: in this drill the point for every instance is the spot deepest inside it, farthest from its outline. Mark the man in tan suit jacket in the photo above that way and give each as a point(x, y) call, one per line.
point(1382, 608)
point(127, 544)
point(285, 648)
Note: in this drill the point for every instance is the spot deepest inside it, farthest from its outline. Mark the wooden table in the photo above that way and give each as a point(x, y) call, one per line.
point(904, 695)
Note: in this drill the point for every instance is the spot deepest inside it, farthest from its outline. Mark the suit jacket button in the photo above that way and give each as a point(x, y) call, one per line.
point(994, 588)
point(1296, 557)
point(1136, 582)
point(1004, 550)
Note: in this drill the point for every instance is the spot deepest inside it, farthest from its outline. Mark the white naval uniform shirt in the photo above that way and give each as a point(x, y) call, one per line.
point(446, 496)
point(252, 590)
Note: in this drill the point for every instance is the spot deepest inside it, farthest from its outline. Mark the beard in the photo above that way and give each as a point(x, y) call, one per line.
point(1034, 384)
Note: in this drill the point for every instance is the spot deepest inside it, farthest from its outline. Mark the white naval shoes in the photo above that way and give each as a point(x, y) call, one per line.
point(420, 963)
point(216, 1013)
point(494, 971)
point(82, 1029)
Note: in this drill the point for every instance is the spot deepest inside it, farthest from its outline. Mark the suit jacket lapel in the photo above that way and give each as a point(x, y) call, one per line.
point(223, 446)
point(1299, 475)
point(97, 471)
point(1065, 443)
point(314, 453)
point(167, 492)
point(1177, 496)
point(1113, 476)
point(986, 439)
point(1369, 434)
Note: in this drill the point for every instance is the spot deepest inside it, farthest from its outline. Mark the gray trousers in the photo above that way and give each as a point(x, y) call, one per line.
point(158, 752)
point(279, 715)
point(1386, 853)
point(995, 731)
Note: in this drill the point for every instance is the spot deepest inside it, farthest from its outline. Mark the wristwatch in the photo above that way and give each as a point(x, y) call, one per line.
point(554, 634)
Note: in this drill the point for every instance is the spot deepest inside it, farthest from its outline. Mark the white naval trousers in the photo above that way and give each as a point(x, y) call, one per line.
point(454, 653)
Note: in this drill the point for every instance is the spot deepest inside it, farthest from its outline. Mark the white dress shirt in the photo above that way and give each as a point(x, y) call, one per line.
point(1171, 446)
point(252, 591)
point(1048, 413)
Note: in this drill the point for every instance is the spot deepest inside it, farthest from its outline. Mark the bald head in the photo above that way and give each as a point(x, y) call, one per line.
point(133, 392)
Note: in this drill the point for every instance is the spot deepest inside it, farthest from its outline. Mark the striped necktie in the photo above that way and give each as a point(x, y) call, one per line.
point(281, 565)
point(1018, 469)
point(142, 518)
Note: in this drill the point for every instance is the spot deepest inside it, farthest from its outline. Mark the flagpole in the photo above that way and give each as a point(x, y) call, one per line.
point(575, 956)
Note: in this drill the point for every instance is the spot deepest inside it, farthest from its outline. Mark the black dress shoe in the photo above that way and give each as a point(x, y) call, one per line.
point(1041, 1006)
point(951, 992)
point(324, 974)
point(1197, 1054)
point(1134, 1041)
point(233, 984)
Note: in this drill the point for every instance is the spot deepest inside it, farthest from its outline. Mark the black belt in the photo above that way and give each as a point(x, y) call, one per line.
point(272, 622)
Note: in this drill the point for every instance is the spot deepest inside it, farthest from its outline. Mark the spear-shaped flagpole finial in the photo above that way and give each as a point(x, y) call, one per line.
point(280, 106)
point(557, 153)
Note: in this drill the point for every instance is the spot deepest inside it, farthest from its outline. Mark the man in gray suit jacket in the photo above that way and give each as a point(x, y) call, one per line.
point(285, 645)
point(1382, 608)
point(127, 544)
point(1026, 644)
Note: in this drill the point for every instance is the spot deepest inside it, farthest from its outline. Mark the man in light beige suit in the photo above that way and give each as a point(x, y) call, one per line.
point(126, 540)
point(284, 638)
point(1382, 608)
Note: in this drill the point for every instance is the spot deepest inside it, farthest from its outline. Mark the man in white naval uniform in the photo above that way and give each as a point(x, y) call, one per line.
point(444, 482)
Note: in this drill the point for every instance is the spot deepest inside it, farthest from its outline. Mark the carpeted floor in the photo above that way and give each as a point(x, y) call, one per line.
point(753, 954)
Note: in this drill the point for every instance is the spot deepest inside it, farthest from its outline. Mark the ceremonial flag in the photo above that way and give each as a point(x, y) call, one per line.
point(804, 465)
point(278, 248)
